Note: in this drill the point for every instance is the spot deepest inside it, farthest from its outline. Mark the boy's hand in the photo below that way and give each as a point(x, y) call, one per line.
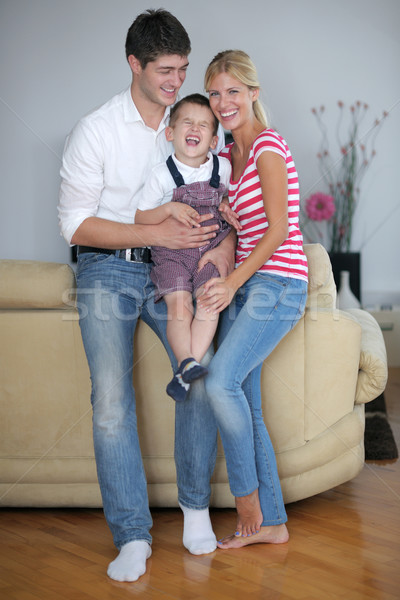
point(184, 214)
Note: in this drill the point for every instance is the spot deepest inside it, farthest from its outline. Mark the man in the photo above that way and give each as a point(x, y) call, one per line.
point(106, 161)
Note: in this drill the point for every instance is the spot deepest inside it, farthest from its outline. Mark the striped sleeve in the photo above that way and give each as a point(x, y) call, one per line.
point(269, 141)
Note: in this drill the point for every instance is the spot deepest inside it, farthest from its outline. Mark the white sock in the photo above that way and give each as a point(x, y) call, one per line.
point(130, 563)
point(198, 535)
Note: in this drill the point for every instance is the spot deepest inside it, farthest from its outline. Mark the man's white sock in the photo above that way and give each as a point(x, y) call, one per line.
point(130, 563)
point(198, 535)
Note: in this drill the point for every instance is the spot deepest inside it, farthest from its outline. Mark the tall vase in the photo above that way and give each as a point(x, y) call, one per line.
point(345, 297)
point(347, 261)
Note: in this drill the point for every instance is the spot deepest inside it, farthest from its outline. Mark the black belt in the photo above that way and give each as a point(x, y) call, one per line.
point(140, 255)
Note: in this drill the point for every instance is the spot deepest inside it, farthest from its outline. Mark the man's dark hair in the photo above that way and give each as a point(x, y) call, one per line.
point(192, 99)
point(154, 33)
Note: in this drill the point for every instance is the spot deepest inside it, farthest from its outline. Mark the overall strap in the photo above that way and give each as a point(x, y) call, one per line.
point(174, 172)
point(214, 181)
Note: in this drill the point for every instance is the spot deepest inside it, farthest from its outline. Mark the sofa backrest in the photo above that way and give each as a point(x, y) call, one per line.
point(321, 284)
point(35, 284)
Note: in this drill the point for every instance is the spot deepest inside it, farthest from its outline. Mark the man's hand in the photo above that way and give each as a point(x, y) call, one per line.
point(175, 235)
point(223, 256)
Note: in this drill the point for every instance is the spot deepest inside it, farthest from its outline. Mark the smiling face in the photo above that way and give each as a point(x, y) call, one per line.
point(231, 101)
point(160, 80)
point(192, 133)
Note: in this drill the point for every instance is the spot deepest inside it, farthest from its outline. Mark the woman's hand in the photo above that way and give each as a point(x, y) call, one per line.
point(217, 294)
point(184, 214)
point(229, 215)
point(222, 257)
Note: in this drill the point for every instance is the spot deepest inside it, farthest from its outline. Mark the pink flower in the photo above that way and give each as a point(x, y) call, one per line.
point(320, 207)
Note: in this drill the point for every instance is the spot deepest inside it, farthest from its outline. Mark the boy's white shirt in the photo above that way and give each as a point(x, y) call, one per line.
point(160, 185)
point(107, 159)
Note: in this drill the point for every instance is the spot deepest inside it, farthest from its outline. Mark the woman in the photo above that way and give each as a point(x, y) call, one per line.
point(266, 293)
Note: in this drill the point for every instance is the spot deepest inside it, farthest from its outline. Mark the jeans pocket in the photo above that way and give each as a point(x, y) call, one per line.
point(301, 299)
point(89, 267)
point(271, 278)
point(89, 258)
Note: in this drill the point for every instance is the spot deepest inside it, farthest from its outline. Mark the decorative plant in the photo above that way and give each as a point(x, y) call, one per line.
point(341, 175)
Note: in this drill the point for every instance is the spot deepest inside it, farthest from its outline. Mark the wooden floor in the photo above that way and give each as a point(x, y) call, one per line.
point(344, 543)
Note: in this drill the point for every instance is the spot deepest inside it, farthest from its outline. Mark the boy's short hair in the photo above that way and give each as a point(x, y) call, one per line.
point(154, 33)
point(192, 99)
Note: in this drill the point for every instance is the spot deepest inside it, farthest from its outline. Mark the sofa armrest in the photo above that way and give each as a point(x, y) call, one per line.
point(31, 284)
point(373, 371)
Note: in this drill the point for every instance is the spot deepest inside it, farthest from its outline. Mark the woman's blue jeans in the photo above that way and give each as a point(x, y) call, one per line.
point(263, 311)
point(112, 295)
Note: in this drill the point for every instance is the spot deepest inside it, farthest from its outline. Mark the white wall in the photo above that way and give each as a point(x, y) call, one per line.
point(61, 59)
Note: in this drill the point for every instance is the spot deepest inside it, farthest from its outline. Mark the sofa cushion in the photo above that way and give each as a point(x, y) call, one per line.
point(35, 284)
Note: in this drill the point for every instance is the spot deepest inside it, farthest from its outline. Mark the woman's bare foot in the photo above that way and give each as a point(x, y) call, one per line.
point(250, 516)
point(272, 534)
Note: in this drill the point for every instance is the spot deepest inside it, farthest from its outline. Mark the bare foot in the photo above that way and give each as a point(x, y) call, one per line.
point(250, 516)
point(272, 534)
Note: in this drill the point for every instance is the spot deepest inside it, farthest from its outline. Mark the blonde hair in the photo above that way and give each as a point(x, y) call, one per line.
point(239, 65)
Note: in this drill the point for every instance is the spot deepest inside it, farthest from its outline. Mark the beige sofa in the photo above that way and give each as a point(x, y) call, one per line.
point(314, 385)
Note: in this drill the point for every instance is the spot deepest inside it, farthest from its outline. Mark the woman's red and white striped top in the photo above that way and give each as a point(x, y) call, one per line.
point(245, 198)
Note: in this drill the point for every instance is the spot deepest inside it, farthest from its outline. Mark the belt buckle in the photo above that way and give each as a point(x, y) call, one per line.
point(137, 255)
point(131, 255)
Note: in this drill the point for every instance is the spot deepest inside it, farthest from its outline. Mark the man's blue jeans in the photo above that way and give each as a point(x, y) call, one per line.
point(263, 311)
point(112, 295)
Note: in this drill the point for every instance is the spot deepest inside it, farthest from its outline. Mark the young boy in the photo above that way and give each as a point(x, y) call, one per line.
point(185, 187)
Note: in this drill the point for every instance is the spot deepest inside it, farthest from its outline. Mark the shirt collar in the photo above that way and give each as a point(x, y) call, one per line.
point(132, 115)
point(183, 166)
